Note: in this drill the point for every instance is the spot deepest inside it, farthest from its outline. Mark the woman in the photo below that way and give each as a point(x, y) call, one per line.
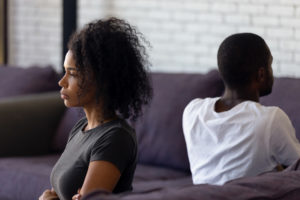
point(105, 73)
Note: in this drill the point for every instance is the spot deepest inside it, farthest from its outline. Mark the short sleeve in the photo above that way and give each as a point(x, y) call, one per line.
point(76, 128)
point(116, 146)
point(285, 146)
point(189, 114)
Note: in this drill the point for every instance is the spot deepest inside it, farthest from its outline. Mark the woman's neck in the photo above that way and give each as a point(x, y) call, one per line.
point(95, 116)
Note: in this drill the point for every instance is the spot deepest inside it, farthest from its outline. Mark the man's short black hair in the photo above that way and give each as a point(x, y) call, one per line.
point(239, 58)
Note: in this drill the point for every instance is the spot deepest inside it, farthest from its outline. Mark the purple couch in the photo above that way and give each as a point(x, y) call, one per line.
point(28, 151)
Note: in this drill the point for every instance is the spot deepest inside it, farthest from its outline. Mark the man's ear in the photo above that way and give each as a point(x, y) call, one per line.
point(261, 74)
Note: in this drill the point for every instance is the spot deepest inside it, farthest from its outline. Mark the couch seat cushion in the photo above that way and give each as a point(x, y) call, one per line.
point(24, 178)
point(149, 178)
point(274, 185)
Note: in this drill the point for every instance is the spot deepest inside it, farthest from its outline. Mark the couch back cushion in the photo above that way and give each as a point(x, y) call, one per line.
point(69, 119)
point(18, 81)
point(286, 95)
point(159, 130)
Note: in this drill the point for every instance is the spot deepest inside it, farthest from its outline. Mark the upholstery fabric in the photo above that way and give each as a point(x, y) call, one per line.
point(69, 119)
point(286, 95)
point(25, 177)
point(28, 122)
point(163, 169)
point(159, 131)
point(273, 185)
point(18, 81)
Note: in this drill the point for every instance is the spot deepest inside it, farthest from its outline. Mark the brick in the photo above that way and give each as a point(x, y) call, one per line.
point(280, 33)
point(150, 25)
point(174, 27)
point(283, 56)
point(224, 7)
point(280, 10)
point(273, 44)
point(171, 26)
point(289, 22)
point(297, 33)
point(263, 2)
point(170, 5)
point(291, 46)
point(237, 19)
point(197, 27)
point(209, 18)
point(297, 58)
point(251, 29)
point(35, 32)
point(159, 42)
point(265, 21)
point(223, 30)
point(289, 2)
point(159, 14)
point(289, 70)
point(212, 40)
point(154, 4)
point(210, 62)
point(184, 16)
point(198, 49)
point(249, 8)
point(297, 12)
point(184, 37)
point(237, 1)
point(198, 6)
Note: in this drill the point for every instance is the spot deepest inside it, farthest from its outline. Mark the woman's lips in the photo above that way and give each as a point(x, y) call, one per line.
point(64, 96)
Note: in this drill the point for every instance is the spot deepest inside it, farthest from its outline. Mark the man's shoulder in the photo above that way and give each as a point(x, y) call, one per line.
point(273, 112)
point(198, 102)
point(197, 106)
point(273, 109)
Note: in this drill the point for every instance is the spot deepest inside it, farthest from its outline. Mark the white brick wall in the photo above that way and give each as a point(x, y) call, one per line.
point(35, 33)
point(92, 10)
point(185, 34)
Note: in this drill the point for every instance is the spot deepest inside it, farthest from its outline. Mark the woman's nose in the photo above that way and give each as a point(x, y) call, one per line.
point(62, 82)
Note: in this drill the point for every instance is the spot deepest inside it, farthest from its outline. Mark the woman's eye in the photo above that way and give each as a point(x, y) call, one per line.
point(72, 74)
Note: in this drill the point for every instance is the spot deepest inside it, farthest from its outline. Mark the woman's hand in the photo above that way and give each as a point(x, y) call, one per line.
point(49, 195)
point(77, 196)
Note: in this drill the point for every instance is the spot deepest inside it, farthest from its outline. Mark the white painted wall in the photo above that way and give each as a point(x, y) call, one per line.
point(185, 34)
point(35, 33)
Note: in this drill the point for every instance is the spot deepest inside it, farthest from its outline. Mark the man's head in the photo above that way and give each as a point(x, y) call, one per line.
point(245, 58)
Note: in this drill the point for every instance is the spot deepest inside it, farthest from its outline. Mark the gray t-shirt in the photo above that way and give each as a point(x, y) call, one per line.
point(114, 141)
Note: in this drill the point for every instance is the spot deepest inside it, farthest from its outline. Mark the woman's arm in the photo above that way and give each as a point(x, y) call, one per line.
point(100, 175)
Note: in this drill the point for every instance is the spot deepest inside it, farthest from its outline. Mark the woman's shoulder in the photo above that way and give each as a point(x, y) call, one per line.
point(118, 130)
point(77, 127)
point(79, 124)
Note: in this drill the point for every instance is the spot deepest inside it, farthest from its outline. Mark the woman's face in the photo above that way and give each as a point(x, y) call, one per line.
point(71, 93)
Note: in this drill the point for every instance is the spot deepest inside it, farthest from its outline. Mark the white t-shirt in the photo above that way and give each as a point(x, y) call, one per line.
point(244, 141)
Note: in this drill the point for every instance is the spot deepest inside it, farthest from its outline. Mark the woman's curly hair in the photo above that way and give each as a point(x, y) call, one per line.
point(111, 52)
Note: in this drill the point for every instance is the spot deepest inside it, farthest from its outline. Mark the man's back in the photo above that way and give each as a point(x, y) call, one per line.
point(246, 140)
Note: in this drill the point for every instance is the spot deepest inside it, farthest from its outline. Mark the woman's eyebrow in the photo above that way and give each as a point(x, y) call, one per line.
point(71, 68)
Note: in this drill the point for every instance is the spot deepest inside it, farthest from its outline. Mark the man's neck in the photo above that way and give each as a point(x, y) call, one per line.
point(233, 97)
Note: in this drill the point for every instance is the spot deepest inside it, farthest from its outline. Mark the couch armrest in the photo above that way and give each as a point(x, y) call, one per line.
point(27, 123)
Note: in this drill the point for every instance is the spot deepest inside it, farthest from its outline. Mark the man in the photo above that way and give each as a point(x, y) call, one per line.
point(234, 136)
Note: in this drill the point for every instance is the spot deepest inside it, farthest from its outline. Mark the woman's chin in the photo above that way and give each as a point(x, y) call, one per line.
point(68, 104)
